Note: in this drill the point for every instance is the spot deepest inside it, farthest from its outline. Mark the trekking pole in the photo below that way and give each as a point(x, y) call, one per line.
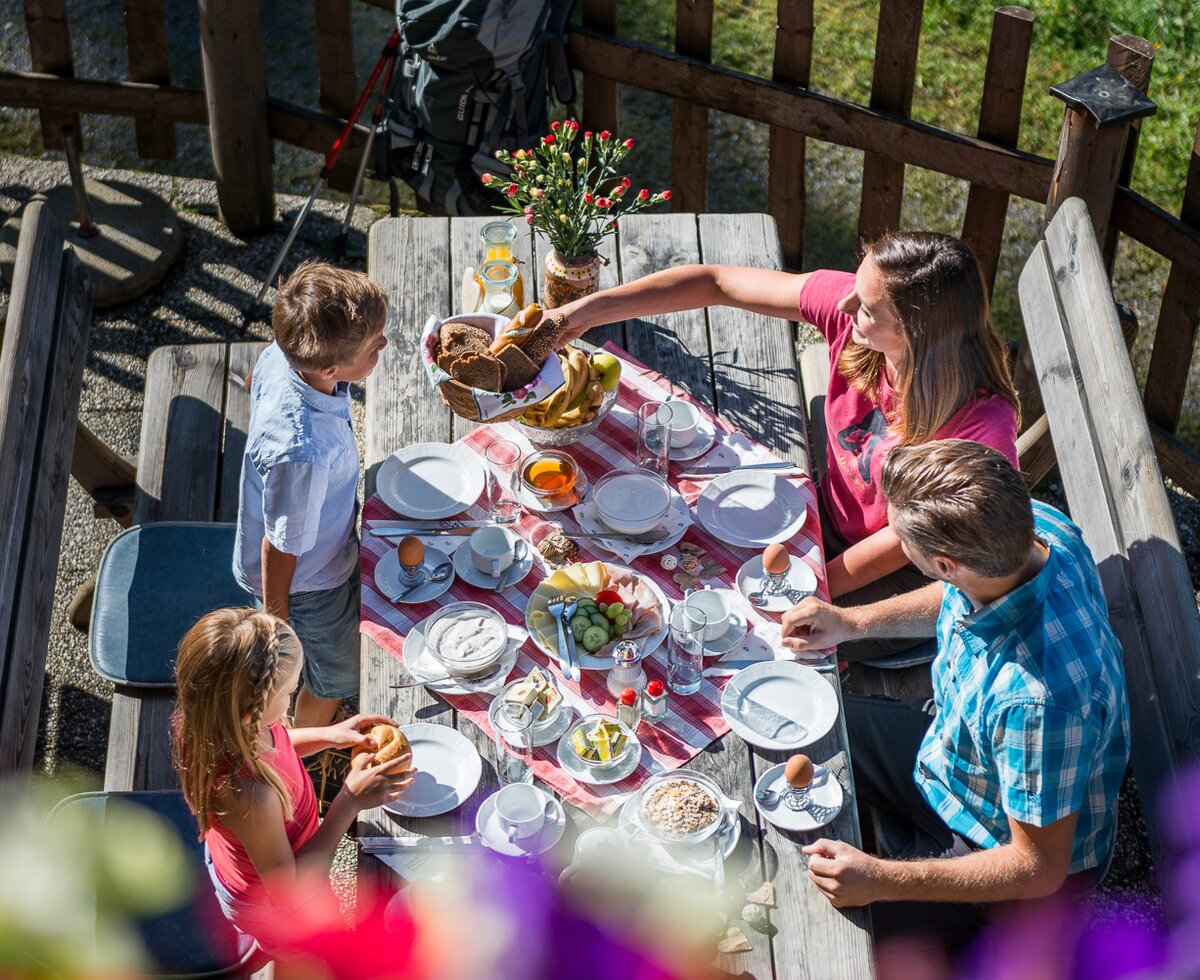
point(390, 51)
point(339, 243)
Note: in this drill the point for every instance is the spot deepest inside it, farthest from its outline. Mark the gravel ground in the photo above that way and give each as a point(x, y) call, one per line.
point(201, 300)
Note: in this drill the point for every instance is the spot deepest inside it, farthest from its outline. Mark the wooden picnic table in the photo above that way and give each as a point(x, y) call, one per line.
point(742, 366)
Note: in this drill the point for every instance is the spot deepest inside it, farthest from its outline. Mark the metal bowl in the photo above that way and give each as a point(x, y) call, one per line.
point(564, 437)
point(703, 783)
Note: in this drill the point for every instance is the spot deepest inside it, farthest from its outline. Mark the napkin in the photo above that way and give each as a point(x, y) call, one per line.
point(763, 720)
point(677, 521)
point(426, 669)
point(688, 858)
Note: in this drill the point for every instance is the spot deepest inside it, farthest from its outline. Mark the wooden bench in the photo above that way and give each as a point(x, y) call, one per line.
point(193, 436)
point(1115, 492)
point(44, 349)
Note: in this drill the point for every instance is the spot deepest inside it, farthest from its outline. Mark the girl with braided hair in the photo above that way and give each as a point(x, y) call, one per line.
point(242, 774)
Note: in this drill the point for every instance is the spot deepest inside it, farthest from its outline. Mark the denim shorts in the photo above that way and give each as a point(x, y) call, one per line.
point(327, 624)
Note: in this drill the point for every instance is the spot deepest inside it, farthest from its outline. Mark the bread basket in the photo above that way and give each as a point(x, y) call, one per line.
point(476, 404)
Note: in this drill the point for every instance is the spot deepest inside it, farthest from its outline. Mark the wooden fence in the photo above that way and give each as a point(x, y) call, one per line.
point(243, 120)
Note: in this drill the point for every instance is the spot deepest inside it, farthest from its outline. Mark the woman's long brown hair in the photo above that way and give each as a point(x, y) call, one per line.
point(952, 351)
point(230, 664)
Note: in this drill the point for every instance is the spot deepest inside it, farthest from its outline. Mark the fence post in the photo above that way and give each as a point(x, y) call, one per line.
point(689, 128)
point(146, 37)
point(1133, 57)
point(786, 150)
point(50, 52)
point(600, 94)
point(235, 86)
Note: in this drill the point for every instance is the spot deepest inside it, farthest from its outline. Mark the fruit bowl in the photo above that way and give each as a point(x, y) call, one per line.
point(569, 434)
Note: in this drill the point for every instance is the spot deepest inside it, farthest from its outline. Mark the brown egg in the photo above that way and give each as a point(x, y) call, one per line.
point(776, 559)
point(798, 771)
point(411, 551)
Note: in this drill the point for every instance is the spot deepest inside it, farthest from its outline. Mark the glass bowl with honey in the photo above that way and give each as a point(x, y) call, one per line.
point(552, 478)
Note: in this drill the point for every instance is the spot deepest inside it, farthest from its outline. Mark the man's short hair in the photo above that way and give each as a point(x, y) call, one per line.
point(963, 500)
point(324, 316)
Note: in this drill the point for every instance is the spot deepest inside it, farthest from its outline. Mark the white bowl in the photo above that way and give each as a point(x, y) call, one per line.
point(631, 501)
point(482, 657)
point(685, 423)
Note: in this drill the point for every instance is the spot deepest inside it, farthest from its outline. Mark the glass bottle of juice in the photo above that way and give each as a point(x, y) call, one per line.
point(498, 238)
point(498, 279)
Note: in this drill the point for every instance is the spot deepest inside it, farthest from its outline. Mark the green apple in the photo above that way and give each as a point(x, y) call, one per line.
point(609, 369)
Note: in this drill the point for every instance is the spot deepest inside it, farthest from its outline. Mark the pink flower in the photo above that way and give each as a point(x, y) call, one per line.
point(487, 179)
point(589, 197)
point(603, 202)
point(626, 182)
point(618, 191)
point(549, 140)
point(629, 144)
point(554, 125)
point(511, 190)
point(587, 134)
point(528, 210)
point(666, 195)
point(612, 225)
point(643, 194)
point(529, 218)
point(604, 135)
point(574, 126)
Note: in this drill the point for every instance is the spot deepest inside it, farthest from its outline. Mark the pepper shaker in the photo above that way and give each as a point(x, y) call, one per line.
point(629, 708)
point(654, 703)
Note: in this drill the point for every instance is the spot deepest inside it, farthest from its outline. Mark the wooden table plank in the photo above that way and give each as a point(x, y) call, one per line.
point(235, 425)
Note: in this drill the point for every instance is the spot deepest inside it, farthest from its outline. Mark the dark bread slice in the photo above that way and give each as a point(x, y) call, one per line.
point(479, 371)
point(521, 370)
point(456, 339)
point(545, 338)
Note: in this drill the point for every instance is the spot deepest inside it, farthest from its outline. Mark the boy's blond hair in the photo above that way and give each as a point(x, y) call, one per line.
point(324, 316)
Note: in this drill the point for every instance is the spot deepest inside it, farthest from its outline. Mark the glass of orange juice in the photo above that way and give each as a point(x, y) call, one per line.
point(498, 238)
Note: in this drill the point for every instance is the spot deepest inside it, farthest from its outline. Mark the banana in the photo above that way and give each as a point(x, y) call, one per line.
point(576, 401)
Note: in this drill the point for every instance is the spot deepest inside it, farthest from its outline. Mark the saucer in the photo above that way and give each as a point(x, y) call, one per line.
point(487, 824)
point(539, 506)
point(466, 569)
point(825, 801)
point(578, 770)
point(732, 637)
point(706, 436)
point(544, 732)
point(387, 577)
point(750, 578)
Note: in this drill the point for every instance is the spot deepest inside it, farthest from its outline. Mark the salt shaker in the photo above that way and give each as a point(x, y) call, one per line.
point(629, 708)
point(627, 669)
point(654, 702)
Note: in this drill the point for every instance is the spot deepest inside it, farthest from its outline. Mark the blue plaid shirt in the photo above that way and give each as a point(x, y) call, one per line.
point(1032, 718)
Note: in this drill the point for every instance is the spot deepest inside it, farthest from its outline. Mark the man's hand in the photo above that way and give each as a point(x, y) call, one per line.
point(815, 625)
point(845, 875)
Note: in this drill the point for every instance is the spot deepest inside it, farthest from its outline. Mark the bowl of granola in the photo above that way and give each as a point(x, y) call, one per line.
point(680, 808)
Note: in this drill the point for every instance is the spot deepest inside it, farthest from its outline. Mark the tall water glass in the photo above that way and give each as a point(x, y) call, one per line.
point(503, 481)
point(515, 764)
point(685, 653)
point(654, 437)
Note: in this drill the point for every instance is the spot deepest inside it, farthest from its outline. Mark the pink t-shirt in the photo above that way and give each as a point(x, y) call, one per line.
point(857, 426)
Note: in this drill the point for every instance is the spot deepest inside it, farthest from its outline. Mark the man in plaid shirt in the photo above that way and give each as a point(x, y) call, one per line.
point(1004, 786)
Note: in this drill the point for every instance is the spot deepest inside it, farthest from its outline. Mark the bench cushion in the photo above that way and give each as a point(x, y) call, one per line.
point(153, 584)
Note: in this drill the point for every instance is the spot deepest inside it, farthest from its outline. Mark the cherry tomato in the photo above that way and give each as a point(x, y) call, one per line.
point(608, 597)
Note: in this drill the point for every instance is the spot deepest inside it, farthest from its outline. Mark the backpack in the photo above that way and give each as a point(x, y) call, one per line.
point(471, 79)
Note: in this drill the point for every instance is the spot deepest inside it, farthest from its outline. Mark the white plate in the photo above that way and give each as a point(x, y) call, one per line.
point(787, 688)
point(448, 770)
point(467, 570)
point(825, 794)
point(539, 506)
point(487, 824)
point(544, 732)
point(667, 857)
point(430, 480)
point(414, 648)
point(387, 578)
point(706, 437)
point(677, 521)
point(581, 772)
point(751, 578)
point(751, 508)
point(590, 661)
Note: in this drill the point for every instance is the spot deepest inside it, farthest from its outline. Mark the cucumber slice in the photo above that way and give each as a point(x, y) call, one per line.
point(578, 624)
point(599, 619)
point(594, 637)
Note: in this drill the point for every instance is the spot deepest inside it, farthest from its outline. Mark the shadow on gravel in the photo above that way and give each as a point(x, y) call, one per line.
point(80, 716)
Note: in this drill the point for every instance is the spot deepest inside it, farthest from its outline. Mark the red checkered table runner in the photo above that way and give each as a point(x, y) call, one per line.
point(694, 721)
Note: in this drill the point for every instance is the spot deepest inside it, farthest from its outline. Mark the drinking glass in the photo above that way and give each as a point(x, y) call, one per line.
point(503, 485)
point(685, 652)
point(654, 437)
point(515, 764)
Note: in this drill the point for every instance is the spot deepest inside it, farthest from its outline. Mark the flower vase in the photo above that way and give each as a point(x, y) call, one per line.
point(569, 279)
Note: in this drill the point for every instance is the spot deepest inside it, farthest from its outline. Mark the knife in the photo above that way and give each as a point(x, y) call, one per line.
point(782, 464)
point(445, 845)
point(428, 525)
point(404, 532)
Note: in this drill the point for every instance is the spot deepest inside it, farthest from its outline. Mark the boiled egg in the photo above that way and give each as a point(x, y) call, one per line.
point(411, 551)
point(798, 771)
point(776, 559)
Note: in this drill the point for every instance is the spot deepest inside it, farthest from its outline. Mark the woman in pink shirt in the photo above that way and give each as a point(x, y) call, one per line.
point(914, 357)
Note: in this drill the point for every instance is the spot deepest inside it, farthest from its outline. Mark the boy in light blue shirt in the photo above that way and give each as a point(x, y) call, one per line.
point(297, 549)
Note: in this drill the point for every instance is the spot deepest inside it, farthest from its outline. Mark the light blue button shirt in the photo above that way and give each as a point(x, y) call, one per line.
point(299, 479)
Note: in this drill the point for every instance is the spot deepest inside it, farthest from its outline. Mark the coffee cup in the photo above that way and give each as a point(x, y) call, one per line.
point(599, 846)
point(717, 609)
point(685, 423)
point(521, 810)
point(492, 549)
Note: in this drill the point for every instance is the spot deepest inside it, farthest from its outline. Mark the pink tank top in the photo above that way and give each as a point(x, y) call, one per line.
point(229, 857)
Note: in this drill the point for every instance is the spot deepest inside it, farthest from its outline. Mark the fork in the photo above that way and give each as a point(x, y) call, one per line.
point(557, 608)
point(568, 611)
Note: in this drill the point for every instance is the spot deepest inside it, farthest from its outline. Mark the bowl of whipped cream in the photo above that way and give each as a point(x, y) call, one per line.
point(467, 638)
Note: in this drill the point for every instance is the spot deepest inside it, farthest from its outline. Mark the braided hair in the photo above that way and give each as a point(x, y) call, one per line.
point(230, 666)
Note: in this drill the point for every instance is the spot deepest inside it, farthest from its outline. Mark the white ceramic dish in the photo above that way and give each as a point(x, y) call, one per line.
point(448, 770)
point(782, 688)
point(825, 794)
point(387, 577)
point(465, 568)
point(484, 652)
point(751, 508)
point(705, 439)
point(441, 682)
point(751, 578)
point(493, 835)
point(581, 772)
point(677, 520)
point(430, 480)
point(685, 423)
point(631, 501)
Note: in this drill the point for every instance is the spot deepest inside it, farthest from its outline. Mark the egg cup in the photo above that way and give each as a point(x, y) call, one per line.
point(796, 797)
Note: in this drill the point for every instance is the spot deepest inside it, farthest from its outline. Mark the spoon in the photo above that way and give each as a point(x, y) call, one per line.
point(549, 814)
point(769, 797)
point(519, 551)
point(439, 574)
